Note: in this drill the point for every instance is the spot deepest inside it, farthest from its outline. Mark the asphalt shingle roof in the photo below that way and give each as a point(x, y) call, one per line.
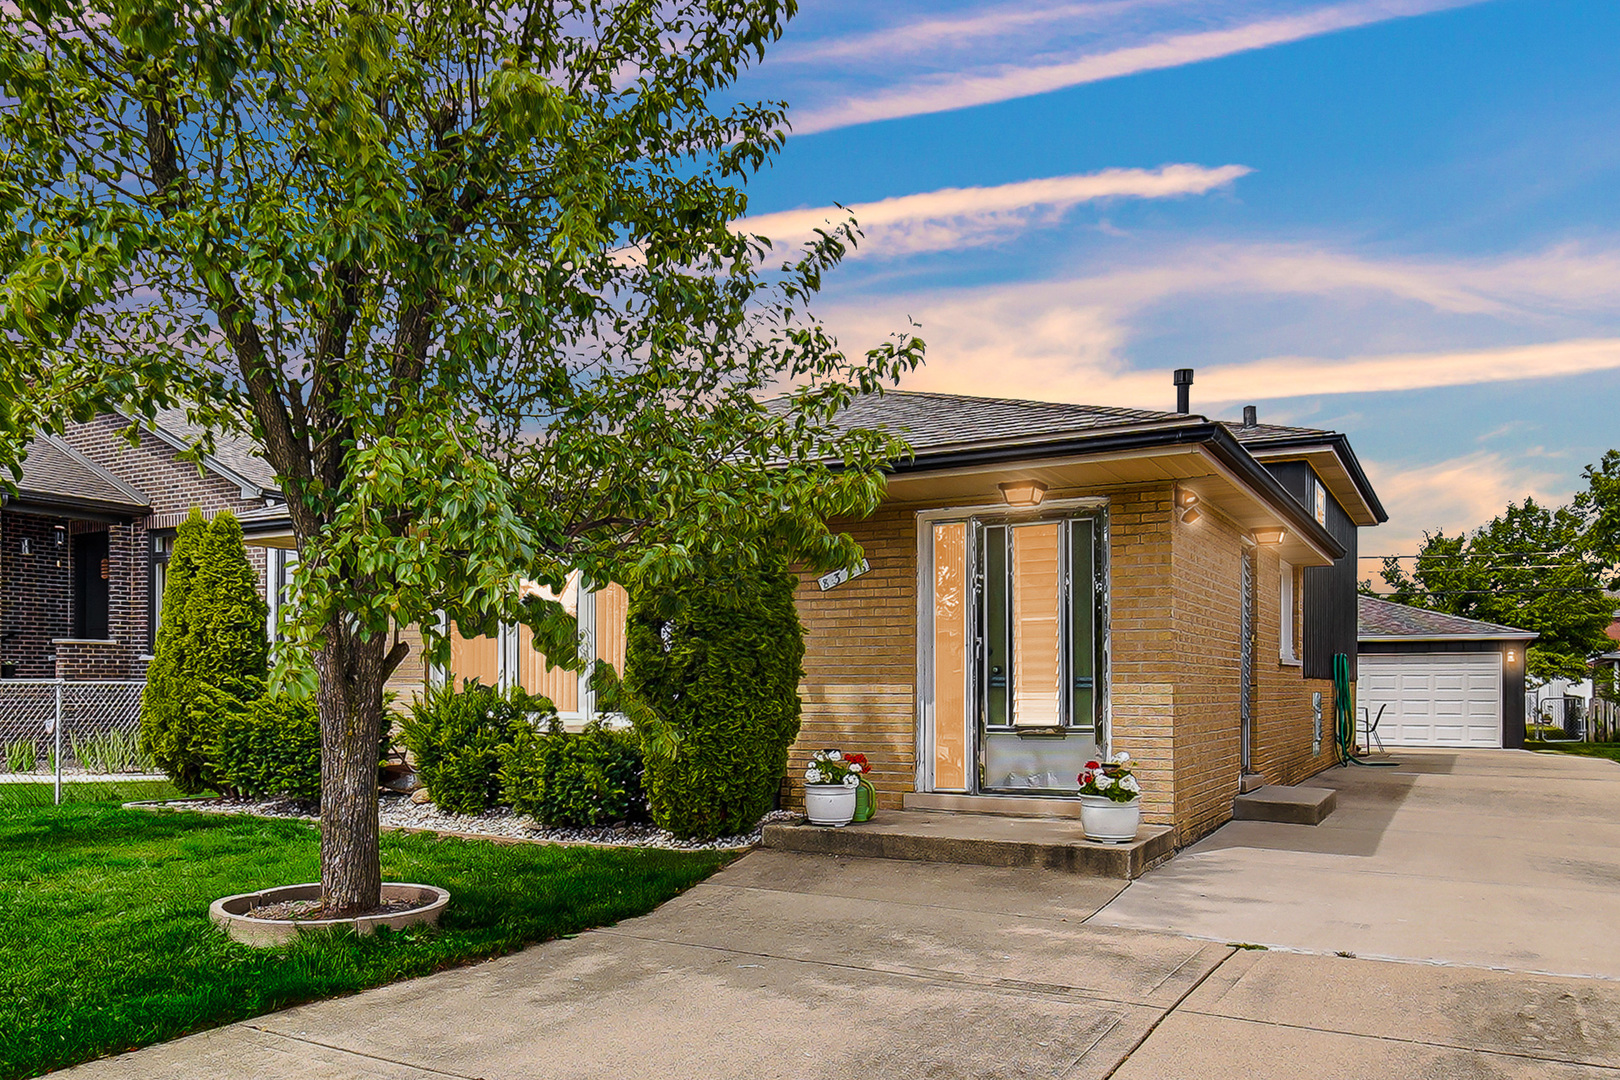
point(238, 453)
point(1384, 618)
point(930, 421)
point(55, 471)
point(1269, 432)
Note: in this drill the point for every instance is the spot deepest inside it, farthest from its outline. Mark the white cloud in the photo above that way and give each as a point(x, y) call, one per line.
point(953, 218)
point(1069, 340)
point(958, 90)
point(1454, 495)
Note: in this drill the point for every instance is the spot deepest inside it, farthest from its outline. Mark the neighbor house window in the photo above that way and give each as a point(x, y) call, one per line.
point(157, 581)
point(1289, 613)
point(280, 564)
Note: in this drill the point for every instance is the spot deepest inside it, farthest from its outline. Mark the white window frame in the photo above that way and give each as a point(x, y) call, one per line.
point(279, 565)
point(1288, 613)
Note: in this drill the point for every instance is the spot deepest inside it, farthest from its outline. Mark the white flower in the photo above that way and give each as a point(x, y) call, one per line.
point(852, 781)
point(854, 766)
point(835, 755)
point(812, 776)
point(1120, 758)
point(820, 755)
point(1129, 784)
point(1103, 782)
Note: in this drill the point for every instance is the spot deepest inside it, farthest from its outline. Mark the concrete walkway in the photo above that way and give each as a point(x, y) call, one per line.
point(790, 965)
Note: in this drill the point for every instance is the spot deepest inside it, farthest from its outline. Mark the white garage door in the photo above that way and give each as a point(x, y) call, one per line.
point(1441, 699)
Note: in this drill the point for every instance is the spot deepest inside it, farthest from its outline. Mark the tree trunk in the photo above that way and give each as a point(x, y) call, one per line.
point(350, 702)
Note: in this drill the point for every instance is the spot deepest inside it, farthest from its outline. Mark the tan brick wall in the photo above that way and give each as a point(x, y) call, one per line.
point(1142, 693)
point(1174, 592)
point(860, 659)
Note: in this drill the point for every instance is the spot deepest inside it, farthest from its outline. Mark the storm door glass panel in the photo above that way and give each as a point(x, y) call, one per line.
point(950, 655)
point(997, 678)
point(1083, 624)
point(1037, 625)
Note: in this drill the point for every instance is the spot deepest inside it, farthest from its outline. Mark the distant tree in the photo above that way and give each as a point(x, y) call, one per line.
point(1531, 567)
point(1599, 506)
point(211, 642)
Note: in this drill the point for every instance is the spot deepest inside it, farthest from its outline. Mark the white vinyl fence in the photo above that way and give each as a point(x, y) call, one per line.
point(55, 734)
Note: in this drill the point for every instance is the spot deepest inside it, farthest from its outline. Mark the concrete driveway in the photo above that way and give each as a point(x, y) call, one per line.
point(789, 965)
point(1494, 858)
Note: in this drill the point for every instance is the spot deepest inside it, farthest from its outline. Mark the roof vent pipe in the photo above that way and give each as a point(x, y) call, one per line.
point(1183, 381)
point(1251, 416)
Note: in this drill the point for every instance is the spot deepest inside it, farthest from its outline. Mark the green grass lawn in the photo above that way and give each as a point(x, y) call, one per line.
point(15, 796)
point(105, 943)
point(1584, 749)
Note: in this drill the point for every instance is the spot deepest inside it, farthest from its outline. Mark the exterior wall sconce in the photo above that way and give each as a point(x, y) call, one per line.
point(1187, 503)
point(1271, 535)
point(61, 535)
point(1511, 656)
point(1022, 492)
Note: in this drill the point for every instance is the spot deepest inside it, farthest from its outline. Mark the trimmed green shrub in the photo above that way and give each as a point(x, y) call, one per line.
point(455, 738)
point(211, 637)
point(717, 660)
point(271, 746)
point(570, 779)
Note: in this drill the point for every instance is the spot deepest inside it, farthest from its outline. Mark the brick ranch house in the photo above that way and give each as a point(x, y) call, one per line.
point(1048, 583)
point(85, 541)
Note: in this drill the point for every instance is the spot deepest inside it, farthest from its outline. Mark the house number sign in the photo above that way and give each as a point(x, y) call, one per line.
point(841, 575)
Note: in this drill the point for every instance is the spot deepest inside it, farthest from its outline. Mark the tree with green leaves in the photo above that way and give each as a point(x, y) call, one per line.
point(211, 641)
point(470, 274)
point(717, 659)
point(1529, 568)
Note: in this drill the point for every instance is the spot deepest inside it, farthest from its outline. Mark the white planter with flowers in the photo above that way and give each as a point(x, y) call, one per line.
point(830, 784)
point(1110, 801)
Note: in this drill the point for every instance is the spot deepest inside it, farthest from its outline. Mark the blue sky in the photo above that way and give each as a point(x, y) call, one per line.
point(1389, 217)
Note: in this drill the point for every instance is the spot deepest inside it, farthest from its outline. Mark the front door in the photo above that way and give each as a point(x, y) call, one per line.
point(1017, 644)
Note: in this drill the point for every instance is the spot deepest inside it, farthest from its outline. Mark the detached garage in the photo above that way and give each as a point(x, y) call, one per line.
point(1442, 680)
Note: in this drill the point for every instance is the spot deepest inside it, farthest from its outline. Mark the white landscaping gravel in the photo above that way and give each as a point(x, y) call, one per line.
point(398, 812)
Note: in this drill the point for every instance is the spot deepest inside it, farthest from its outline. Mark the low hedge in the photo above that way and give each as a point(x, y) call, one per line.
point(567, 779)
point(270, 747)
point(456, 737)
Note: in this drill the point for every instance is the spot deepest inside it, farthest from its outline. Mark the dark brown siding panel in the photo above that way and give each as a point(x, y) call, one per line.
point(1329, 594)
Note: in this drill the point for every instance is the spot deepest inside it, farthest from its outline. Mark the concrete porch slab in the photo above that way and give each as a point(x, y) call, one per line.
point(1286, 805)
point(980, 840)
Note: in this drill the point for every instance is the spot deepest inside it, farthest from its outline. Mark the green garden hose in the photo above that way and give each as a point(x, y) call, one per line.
point(1344, 716)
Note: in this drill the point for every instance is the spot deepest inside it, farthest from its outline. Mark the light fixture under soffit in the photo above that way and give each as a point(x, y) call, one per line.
point(1186, 498)
point(1270, 535)
point(1022, 492)
point(1510, 656)
point(1191, 514)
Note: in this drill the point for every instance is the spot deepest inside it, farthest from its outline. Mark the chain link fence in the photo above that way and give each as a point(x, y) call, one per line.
point(62, 741)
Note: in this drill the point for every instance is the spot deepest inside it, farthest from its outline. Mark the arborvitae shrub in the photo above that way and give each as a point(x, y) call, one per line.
point(455, 738)
point(574, 779)
point(211, 638)
point(718, 660)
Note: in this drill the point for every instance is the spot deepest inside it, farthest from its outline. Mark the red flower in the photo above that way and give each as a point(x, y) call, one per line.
point(1093, 765)
point(858, 759)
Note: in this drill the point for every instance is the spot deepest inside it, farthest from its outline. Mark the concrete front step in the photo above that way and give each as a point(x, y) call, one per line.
point(1288, 805)
point(980, 840)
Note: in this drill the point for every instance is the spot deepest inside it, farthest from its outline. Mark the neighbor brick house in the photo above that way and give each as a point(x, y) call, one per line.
point(1048, 583)
point(85, 540)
